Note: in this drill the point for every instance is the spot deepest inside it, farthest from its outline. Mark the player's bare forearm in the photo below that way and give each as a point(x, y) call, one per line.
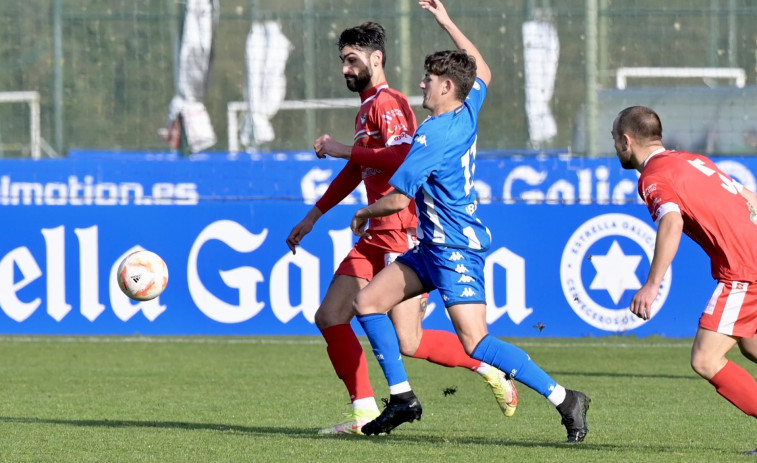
point(666, 246)
point(389, 204)
point(462, 42)
point(393, 202)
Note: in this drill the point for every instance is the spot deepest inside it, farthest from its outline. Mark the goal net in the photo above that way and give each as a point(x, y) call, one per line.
point(20, 125)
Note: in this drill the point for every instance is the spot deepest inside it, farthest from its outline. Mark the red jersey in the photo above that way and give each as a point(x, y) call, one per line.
point(384, 128)
point(715, 215)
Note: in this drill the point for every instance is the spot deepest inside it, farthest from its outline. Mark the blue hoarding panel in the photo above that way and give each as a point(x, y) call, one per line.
point(571, 244)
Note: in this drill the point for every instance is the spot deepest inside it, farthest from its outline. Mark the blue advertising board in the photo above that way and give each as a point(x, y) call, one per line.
point(571, 244)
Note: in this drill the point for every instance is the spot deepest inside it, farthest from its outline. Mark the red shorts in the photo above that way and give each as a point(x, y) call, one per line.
point(732, 309)
point(369, 256)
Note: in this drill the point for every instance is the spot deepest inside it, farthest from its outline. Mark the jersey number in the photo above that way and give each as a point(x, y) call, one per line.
point(728, 183)
point(468, 162)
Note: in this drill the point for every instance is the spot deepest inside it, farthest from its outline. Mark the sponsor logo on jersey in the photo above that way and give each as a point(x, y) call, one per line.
point(392, 113)
point(421, 139)
point(461, 268)
point(466, 279)
point(601, 269)
point(648, 190)
point(370, 172)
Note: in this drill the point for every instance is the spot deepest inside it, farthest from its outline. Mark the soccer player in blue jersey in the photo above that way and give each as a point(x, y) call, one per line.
point(438, 174)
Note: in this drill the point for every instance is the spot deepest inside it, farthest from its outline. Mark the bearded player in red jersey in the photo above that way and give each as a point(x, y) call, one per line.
point(688, 193)
point(384, 129)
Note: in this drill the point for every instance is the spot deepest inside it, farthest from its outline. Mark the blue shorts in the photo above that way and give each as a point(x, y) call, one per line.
point(457, 273)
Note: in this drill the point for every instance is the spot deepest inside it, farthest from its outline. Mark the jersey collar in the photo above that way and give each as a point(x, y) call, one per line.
point(371, 93)
point(654, 153)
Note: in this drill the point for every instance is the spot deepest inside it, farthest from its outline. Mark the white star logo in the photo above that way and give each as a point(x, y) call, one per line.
point(616, 272)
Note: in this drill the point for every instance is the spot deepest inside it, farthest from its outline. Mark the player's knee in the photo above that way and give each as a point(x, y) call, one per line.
point(321, 318)
point(703, 365)
point(360, 305)
point(326, 317)
point(408, 347)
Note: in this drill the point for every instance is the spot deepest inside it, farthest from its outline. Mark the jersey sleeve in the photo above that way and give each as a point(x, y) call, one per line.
point(419, 164)
point(387, 159)
point(344, 183)
point(393, 122)
point(394, 119)
point(477, 95)
point(659, 196)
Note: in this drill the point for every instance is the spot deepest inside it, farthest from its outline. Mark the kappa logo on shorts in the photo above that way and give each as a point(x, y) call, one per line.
point(461, 268)
point(601, 267)
point(466, 279)
point(468, 292)
point(455, 256)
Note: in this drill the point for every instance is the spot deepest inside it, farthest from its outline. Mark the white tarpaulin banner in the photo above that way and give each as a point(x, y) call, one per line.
point(541, 50)
point(195, 54)
point(265, 86)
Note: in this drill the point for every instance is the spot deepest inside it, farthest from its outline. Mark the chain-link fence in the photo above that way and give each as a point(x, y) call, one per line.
point(105, 68)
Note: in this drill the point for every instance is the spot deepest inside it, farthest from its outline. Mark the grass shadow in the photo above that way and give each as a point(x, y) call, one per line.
point(311, 433)
point(598, 374)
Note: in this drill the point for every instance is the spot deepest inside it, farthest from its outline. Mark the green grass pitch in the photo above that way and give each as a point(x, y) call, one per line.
point(258, 399)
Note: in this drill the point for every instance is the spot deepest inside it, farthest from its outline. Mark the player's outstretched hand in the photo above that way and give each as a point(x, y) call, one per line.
point(297, 233)
point(319, 145)
point(327, 146)
point(641, 304)
point(436, 8)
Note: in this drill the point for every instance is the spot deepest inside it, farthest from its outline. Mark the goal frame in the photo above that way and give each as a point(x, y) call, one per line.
point(32, 98)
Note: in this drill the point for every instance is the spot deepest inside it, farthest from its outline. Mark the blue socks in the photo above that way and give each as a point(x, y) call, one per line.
point(515, 362)
point(507, 357)
point(386, 346)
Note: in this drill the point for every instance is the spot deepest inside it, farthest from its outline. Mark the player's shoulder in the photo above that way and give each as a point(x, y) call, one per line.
point(675, 160)
point(673, 166)
point(389, 95)
point(433, 133)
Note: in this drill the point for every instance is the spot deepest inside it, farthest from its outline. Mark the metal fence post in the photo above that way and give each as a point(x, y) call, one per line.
point(58, 75)
point(592, 101)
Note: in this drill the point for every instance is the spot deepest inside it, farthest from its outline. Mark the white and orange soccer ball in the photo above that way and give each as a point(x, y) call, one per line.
point(142, 275)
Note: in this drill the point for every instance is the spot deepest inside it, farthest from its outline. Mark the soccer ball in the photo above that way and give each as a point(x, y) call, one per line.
point(142, 275)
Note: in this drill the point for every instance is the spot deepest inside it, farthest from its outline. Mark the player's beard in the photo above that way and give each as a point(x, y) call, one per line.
point(624, 156)
point(358, 82)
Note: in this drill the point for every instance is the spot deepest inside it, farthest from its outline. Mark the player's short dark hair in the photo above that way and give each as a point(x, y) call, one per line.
point(641, 122)
point(369, 36)
point(457, 65)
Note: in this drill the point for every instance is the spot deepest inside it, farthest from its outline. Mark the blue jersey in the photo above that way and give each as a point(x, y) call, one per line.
point(438, 172)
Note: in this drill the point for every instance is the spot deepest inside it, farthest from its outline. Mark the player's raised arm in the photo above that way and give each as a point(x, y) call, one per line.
point(462, 42)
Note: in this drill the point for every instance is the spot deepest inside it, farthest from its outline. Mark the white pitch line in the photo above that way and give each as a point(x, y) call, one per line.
point(286, 340)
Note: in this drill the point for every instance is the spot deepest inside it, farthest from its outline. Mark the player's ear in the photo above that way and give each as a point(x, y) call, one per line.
point(376, 58)
point(626, 141)
point(448, 86)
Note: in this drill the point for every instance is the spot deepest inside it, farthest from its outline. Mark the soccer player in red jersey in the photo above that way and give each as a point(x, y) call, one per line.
point(688, 193)
point(384, 128)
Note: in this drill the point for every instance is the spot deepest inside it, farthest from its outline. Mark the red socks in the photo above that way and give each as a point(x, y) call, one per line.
point(348, 359)
point(738, 387)
point(444, 348)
